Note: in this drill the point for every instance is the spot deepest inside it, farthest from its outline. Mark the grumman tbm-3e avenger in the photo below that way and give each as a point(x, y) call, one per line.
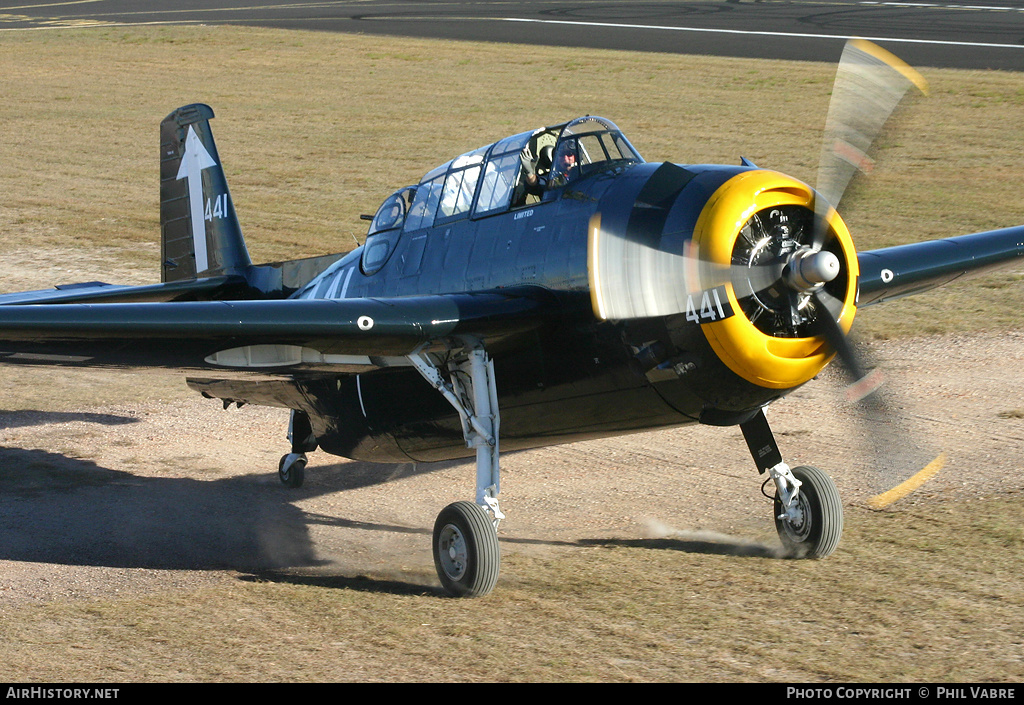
point(553, 276)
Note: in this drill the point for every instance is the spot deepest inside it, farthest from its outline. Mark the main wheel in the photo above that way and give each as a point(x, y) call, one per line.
point(292, 470)
point(466, 552)
point(818, 525)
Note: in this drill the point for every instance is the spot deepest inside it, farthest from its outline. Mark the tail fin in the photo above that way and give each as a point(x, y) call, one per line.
point(200, 232)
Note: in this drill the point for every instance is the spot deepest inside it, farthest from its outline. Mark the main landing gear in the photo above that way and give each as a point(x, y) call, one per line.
point(467, 556)
point(465, 540)
point(808, 511)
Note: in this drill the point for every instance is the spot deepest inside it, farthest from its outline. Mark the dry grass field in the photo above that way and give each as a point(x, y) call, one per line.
point(144, 537)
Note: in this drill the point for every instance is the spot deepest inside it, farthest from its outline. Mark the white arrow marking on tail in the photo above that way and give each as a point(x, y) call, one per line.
point(193, 161)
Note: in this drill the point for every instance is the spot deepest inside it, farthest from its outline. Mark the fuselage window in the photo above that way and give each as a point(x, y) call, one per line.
point(591, 150)
point(375, 256)
point(391, 214)
point(499, 179)
point(424, 206)
point(385, 230)
point(603, 146)
point(624, 148)
point(457, 195)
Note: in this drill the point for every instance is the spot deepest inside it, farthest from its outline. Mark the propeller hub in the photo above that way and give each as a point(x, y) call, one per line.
point(808, 269)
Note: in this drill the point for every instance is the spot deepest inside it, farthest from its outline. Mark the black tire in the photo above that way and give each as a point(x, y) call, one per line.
point(466, 552)
point(817, 532)
point(293, 475)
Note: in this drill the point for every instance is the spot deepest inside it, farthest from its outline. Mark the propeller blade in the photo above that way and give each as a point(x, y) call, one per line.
point(870, 83)
point(630, 279)
point(903, 457)
point(912, 483)
point(863, 381)
point(896, 457)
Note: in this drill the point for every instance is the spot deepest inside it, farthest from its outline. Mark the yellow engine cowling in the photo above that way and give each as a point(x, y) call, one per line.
point(767, 360)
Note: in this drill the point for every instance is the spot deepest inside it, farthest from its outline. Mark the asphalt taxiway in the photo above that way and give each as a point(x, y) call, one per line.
point(983, 35)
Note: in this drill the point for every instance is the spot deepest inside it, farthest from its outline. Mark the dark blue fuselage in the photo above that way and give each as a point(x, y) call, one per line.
point(574, 379)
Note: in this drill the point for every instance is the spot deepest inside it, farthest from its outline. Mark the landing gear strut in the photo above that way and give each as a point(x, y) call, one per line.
point(292, 468)
point(466, 551)
point(808, 510)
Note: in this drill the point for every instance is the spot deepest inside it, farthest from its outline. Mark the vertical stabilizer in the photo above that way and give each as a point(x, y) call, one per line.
point(200, 232)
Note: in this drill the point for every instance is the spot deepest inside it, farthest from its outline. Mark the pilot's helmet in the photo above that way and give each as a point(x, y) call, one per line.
point(563, 169)
point(566, 148)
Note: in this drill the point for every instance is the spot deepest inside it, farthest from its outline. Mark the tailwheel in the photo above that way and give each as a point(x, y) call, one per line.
point(466, 552)
point(292, 469)
point(812, 526)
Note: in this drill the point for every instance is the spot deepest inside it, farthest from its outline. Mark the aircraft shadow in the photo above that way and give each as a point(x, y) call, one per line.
point(55, 509)
point(61, 510)
point(360, 583)
point(366, 583)
point(724, 546)
point(22, 418)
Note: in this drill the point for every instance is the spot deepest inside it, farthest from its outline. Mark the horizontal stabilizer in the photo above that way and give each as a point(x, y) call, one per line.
point(99, 292)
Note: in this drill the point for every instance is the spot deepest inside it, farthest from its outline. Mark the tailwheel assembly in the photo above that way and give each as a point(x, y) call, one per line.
point(292, 469)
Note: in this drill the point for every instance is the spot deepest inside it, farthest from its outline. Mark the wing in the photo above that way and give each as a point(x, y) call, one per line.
point(270, 336)
point(910, 269)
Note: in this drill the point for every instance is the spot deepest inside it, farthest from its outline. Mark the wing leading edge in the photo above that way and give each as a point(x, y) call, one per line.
point(289, 335)
point(902, 270)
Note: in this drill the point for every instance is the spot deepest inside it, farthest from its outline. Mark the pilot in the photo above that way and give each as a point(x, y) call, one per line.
point(563, 163)
point(534, 170)
point(548, 171)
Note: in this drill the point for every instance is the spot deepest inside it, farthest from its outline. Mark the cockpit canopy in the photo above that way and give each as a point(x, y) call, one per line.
point(595, 144)
point(490, 179)
point(494, 179)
